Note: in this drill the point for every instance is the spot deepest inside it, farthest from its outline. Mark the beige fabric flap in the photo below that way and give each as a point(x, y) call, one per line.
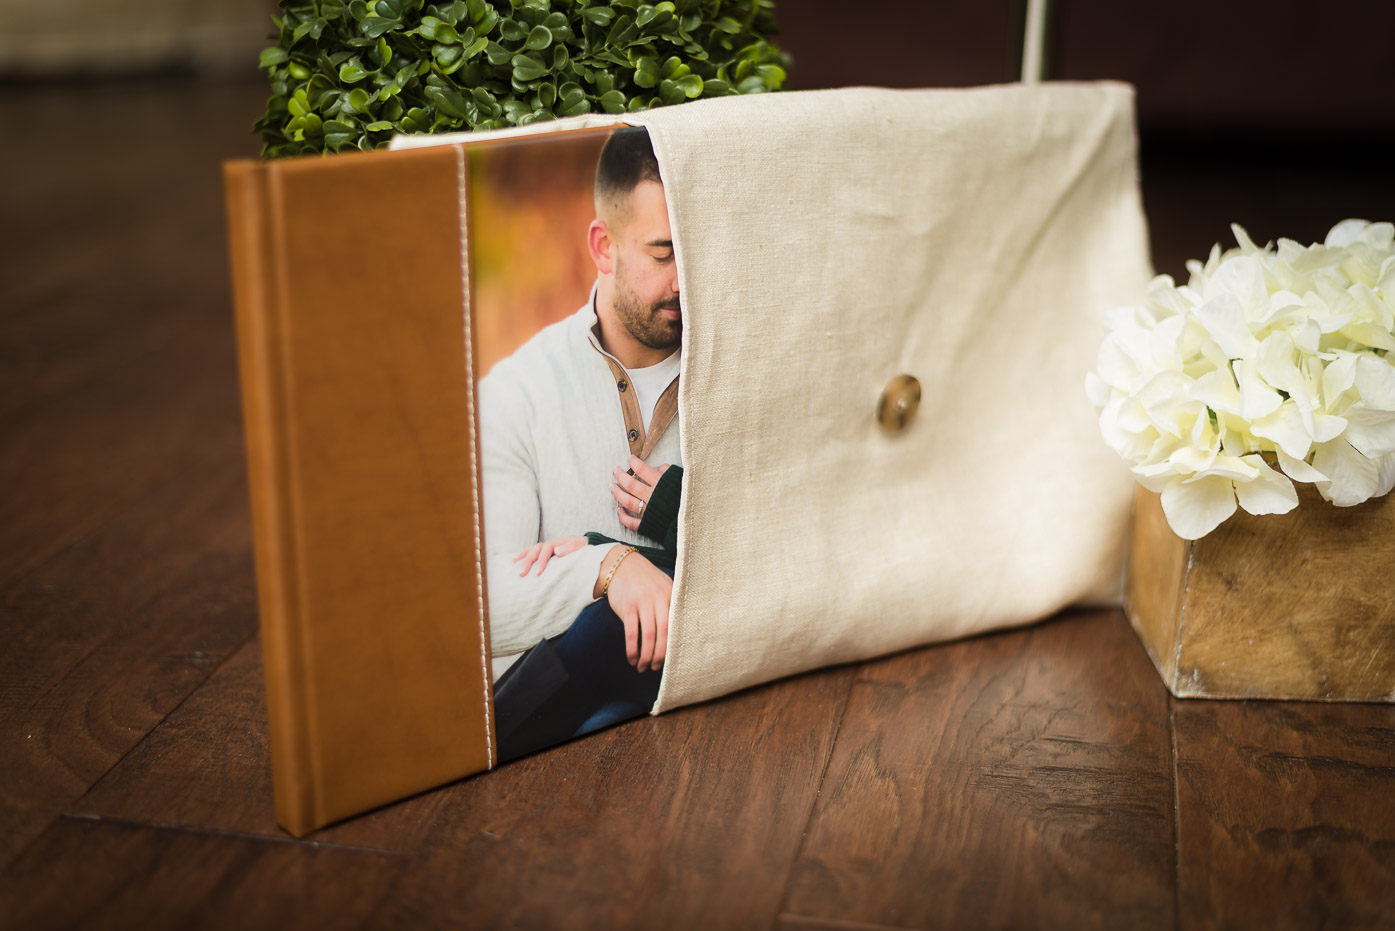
point(828, 241)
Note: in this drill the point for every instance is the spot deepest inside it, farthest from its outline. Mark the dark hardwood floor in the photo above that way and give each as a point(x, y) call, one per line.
point(1038, 778)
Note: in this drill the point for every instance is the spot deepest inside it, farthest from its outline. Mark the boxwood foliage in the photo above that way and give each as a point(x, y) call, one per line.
point(347, 74)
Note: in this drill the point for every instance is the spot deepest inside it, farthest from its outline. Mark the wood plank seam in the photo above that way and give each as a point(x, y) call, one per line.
point(1176, 814)
point(818, 789)
point(118, 761)
point(212, 671)
point(93, 648)
point(287, 840)
point(77, 816)
point(135, 611)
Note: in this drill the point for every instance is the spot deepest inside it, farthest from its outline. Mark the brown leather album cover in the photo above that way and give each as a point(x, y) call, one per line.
point(373, 293)
point(355, 366)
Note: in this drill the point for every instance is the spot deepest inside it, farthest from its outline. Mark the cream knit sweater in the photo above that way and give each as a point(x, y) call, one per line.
point(551, 431)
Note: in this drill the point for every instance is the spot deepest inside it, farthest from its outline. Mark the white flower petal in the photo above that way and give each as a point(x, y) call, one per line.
point(1369, 334)
point(1380, 236)
point(1303, 402)
point(1257, 398)
point(1232, 467)
point(1372, 308)
point(1132, 416)
point(1386, 479)
point(1306, 336)
point(1194, 509)
point(1352, 478)
point(1199, 272)
point(1375, 381)
point(1161, 452)
point(1167, 403)
point(1277, 362)
point(1298, 470)
point(1217, 390)
point(1165, 346)
point(1189, 459)
point(1327, 427)
point(1123, 441)
point(1270, 493)
point(1330, 286)
point(1201, 434)
point(1345, 233)
point(1386, 284)
point(1242, 237)
point(1328, 318)
point(1285, 275)
point(1155, 483)
point(1372, 433)
point(1153, 470)
point(1337, 378)
point(1223, 316)
point(1164, 295)
point(1286, 429)
point(1316, 263)
point(1116, 367)
point(1284, 305)
point(1239, 278)
point(1201, 352)
point(1361, 264)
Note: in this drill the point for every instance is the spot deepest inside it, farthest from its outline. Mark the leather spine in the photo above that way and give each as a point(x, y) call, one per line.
point(253, 237)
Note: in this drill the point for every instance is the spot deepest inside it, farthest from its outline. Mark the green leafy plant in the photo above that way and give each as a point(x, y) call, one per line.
point(348, 75)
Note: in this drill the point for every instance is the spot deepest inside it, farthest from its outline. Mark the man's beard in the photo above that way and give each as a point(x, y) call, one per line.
point(645, 323)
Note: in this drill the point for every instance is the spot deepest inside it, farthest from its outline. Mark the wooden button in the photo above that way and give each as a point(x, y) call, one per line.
point(898, 404)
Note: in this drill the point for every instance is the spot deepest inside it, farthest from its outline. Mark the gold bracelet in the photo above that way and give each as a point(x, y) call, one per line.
point(605, 586)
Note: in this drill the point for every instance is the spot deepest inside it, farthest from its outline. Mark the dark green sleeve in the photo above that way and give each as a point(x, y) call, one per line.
point(656, 555)
point(661, 513)
point(660, 521)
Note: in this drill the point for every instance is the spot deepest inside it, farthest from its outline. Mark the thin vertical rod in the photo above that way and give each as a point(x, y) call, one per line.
point(1034, 42)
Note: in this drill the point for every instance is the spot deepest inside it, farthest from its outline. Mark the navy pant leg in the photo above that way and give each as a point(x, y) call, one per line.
point(592, 651)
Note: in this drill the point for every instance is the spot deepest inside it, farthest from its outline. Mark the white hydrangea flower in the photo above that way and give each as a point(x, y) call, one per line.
point(1283, 354)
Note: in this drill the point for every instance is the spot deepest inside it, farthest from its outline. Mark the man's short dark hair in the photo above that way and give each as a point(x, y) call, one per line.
point(626, 159)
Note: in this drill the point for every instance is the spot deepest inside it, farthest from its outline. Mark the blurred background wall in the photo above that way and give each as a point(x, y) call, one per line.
point(1288, 67)
point(1233, 66)
point(66, 39)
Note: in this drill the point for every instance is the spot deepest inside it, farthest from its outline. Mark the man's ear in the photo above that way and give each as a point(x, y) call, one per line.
point(602, 246)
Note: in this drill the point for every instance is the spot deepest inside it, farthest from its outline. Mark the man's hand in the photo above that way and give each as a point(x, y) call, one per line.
point(632, 490)
point(639, 594)
point(542, 552)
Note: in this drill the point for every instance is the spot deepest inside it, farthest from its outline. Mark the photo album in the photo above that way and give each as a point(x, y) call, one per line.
point(553, 427)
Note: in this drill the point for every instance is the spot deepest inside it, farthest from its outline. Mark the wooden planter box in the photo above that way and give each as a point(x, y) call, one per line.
point(1292, 606)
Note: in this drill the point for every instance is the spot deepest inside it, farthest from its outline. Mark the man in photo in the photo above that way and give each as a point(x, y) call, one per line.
point(578, 429)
